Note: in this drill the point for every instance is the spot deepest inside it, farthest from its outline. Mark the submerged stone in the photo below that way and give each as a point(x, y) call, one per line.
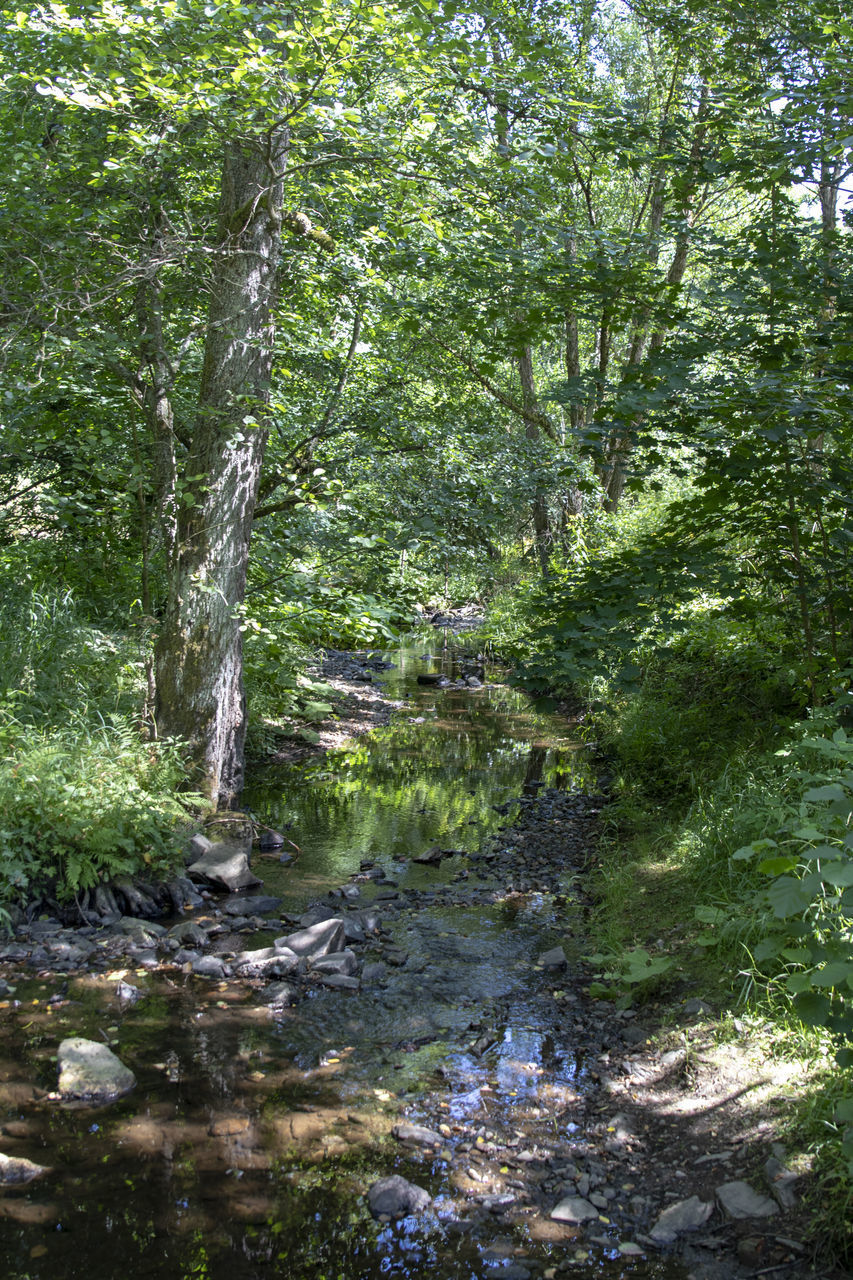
point(15, 1170)
point(394, 1197)
point(91, 1072)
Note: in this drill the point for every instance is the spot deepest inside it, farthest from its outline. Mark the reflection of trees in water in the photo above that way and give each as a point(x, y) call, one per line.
point(536, 758)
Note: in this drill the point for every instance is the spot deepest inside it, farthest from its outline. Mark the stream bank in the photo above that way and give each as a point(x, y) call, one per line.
point(257, 1126)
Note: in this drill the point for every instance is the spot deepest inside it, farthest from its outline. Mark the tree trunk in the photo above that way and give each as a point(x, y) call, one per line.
point(199, 652)
point(530, 401)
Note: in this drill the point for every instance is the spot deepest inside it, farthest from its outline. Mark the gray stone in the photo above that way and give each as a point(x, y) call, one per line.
point(394, 1197)
point(128, 993)
point(738, 1200)
point(781, 1182)
point(695, 1007)
point(14, 1170)
point(340, 981)
point(341, 962)
point(197, 846)
point(92, 1072)
point(266, 962)
point(374, 972)
point(226, 866)
point(684, 1215)
point(143, 931)
point(211, 967)
point(258, 904)
point(280, 994)
point(353, 930)
point(369, 919)
point(574, 1209)
point(417, 1135)
point(553, 959)
point(188, 932)
point(321, 939)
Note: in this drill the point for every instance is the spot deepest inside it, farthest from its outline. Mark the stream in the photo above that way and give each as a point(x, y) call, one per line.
point(254, 1131)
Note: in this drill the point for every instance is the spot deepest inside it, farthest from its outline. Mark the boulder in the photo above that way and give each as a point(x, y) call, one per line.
point(226, 866)
point(321, 939)
point(394, 1197)
point(91, 1072)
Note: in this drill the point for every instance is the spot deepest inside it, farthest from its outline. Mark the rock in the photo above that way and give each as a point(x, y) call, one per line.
point(684, 1215)
point(374, 972)
point(280, 994)
point(270, 839)
point(431, 678)
point(197, 846)
point(183, 893)
point(695, 1007)
point(738, 1200)
point(417, 1135)
point(353, 930)
point(341, 962)
point(321, 939)
point(211, 967)
point(14, 1170)
point(394, 1197)
point(473, 683)
point(574, 1209)
point(369, 919)
point(553, 959)
point(429, 856)
point(143, 931)
point(259, 904)
point(781, 1183)
point(188, 932)
point(92, 1072)
point(340, 981)
point(128, 993)
point(629, 1249)
point(226, 866)
point(266, 962)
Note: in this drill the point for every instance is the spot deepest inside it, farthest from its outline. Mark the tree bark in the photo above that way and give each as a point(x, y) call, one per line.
point(199, 660)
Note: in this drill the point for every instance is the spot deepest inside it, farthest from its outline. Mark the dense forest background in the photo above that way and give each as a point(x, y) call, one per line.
point(314, 316)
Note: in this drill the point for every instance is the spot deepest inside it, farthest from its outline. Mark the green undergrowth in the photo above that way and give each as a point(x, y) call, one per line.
point(84, 796)
point(725, 870)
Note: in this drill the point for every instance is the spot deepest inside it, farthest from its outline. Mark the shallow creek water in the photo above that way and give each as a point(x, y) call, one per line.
point(247, 1147)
